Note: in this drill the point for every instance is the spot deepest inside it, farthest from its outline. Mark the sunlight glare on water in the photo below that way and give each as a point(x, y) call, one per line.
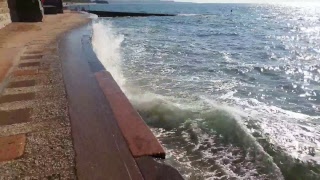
point(229, 95)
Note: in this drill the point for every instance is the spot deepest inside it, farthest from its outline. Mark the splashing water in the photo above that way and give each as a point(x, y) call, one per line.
point(218, 113)
point(106, 44)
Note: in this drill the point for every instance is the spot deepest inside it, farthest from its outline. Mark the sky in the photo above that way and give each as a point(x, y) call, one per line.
point(250, 1)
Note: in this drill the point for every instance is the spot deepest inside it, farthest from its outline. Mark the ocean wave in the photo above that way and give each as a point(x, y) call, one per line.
point(90, 15)
point(227, 137)
point(217, 34)
point(210, 136)
point(291, 138)
point(189, 14)
point(179, 118)
point(107, 44)
point(213, 137)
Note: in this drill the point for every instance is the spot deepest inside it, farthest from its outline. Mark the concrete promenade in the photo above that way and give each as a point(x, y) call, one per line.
point(35, 133)
point(62, 116)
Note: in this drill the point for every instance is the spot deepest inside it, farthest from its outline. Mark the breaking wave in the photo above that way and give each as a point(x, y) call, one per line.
point(107, 45)
point(209, 139)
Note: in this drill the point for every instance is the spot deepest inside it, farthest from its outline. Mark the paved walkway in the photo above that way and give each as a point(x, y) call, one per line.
point(98, 142)
point(35, 133)
point(110, 138)
point(62, 116)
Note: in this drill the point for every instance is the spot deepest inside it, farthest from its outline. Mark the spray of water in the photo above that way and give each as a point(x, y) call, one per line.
point(106, 44)
point(168, 113)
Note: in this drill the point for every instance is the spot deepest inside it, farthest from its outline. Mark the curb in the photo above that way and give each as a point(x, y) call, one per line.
point(137, 134)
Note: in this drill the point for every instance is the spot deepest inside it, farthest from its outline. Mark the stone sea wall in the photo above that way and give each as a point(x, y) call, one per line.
point(4, 14)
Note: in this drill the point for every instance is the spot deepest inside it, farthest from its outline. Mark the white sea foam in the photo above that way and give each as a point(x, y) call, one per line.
point(189, 14)
point(293, 132)
point(107, 44)
point(90, 15)
point(93, 16)
point(288, 130)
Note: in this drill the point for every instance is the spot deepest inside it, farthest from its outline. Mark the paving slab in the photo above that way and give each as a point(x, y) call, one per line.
point(29, 64)
point(33, 100)
point(12, 147)
point(17, 97)
point(14, 116)
point(18, 84)
point(25, 72)
point(31, 57)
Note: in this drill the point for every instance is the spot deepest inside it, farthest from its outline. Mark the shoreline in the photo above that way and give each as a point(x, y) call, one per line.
point(127, 141)
point(45, 130)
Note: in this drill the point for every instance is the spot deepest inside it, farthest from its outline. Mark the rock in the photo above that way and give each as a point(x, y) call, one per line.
point(25, 10)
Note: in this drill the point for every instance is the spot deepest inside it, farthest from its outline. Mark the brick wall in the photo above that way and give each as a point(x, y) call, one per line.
point(4, 14)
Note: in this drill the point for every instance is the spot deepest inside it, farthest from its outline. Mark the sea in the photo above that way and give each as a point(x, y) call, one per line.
point(232, 91)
